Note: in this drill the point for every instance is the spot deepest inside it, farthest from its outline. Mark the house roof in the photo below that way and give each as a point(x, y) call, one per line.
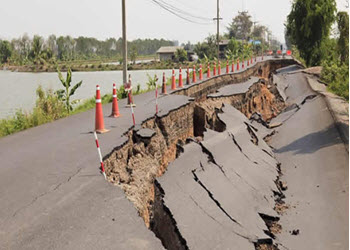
point(168, 49)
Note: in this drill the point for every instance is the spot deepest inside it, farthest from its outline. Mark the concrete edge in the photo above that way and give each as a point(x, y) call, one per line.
point(333, 103)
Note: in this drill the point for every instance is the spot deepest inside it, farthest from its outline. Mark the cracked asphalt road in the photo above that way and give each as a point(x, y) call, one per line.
point(52, 196)
point(314, 163)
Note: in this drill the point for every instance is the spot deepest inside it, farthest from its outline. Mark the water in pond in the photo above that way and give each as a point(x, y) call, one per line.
point(18, 89)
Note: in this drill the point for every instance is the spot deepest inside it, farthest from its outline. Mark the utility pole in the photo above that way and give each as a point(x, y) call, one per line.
point(125, 48)
point(217, 28)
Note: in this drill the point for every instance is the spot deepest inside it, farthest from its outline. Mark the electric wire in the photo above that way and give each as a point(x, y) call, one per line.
point(180, 13)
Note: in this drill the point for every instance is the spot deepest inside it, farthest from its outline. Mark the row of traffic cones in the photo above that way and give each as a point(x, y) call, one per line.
point(99, 122)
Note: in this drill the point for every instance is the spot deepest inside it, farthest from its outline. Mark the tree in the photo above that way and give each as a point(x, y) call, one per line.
point(206, 48)
point(25, 46)
point(35, 52)
point(180, 55)
point(241, 26)
point(287, 39)
point(308, 26)
point(65, 94)
point(258, 32)
point(5, 51)
point(51, 44)
point(343, 41)
point(233, 49)
point(247, 51)
point(133, 54)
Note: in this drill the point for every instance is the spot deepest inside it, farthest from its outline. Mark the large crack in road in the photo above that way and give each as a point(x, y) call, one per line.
point(200, 174)
point(140, 165)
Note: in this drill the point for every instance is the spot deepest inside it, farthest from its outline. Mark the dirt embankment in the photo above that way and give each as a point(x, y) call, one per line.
point(149, 149)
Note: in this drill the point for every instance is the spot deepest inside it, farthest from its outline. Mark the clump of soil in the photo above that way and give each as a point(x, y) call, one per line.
point(281, 208)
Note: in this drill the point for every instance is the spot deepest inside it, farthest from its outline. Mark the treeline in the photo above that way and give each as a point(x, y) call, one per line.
point(38, 50)
point(244, 37)
point(319, 33)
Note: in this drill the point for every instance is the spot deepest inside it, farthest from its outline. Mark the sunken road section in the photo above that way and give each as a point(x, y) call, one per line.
point(200, 175)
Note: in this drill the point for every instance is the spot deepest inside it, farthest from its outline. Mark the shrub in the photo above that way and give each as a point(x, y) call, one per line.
point(152, 81)
point(337, 78)
point(48, 108)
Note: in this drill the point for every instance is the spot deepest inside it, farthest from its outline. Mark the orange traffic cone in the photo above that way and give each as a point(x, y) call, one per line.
point(194, 79)
point(164, 85)
point(214, 69)
point(219, 68)
point(115, 108)
point(233, 66)
point(248, 62)
point(237, 64)
point(200, 72)
point(173, 81)
point(227, 67)
point(99, 123)
point(180, 79)
point(208, 70)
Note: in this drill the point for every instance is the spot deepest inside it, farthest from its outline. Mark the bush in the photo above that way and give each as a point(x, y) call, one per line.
point(152, 81)
point(47, 108)
point(337, 78)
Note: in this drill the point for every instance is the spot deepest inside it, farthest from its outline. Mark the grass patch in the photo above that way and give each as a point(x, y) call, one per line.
point(49, 107)
point(337, 78)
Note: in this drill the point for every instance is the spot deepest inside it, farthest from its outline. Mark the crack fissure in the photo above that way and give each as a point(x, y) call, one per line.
point(163, 223)
point(195, 177)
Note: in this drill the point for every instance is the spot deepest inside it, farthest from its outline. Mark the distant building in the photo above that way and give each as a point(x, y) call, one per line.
point(167, 52)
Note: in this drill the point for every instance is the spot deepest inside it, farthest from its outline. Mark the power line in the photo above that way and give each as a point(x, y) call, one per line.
point(179, 13)
point(183, 12)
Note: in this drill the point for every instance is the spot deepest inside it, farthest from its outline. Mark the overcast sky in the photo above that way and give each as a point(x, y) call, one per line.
point(102, 18)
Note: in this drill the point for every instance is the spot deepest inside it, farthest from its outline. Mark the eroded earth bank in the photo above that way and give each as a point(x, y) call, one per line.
point(202, 176)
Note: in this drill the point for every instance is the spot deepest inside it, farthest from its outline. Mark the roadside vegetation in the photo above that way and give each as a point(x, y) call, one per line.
point(245, 40)
point(309, 30)
point(52, 105)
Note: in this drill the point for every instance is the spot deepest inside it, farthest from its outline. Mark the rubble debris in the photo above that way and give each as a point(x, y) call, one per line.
point(283, 185)
point(294, 232)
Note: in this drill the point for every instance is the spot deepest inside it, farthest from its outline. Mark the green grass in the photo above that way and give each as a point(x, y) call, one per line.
point(337, 78)
point(49, 108)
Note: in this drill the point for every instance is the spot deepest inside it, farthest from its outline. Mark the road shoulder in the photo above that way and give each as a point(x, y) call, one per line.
point(338, 107)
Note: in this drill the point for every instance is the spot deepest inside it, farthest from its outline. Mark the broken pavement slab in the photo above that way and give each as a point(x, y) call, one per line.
point(216, 200)
point(235, 89)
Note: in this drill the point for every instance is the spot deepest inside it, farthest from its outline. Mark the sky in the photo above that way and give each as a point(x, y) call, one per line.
point(102, 19)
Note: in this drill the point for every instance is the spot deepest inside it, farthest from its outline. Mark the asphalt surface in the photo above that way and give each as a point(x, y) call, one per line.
point(216, 200)
point(52, 194)
point(314, 163)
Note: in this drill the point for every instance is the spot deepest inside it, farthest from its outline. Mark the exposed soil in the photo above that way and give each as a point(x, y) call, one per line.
point(135, 165)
